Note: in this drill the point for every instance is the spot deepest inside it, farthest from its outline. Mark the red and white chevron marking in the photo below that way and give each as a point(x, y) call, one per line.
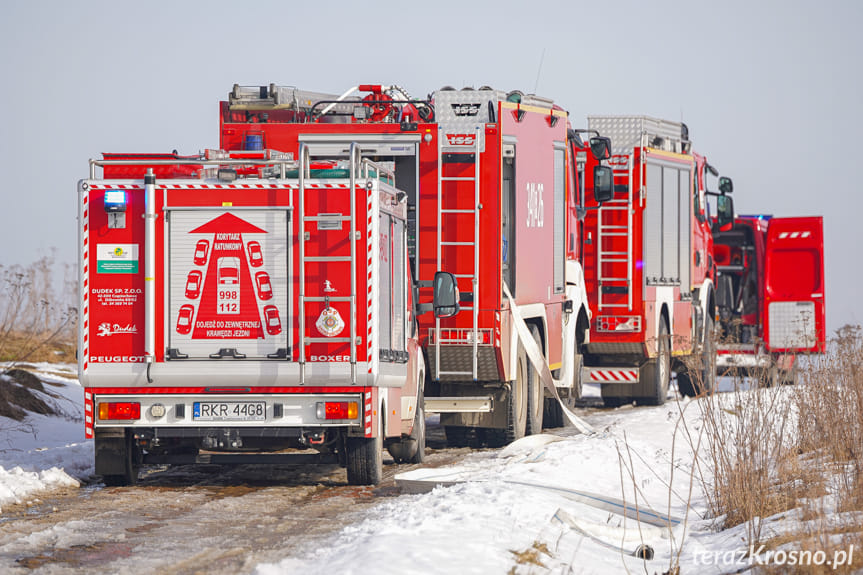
point(369, 282)
point(614, 375)
point(88, 414)
point(368, 410)
point(794, 235)
point(85, 278)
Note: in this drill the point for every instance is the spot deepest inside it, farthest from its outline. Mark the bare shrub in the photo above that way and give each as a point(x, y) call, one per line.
point(37, 311)
point(37, 322)
point(799, 449)
point(751, 455)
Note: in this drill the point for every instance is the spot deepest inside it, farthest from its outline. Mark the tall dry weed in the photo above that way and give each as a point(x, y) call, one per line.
point(772, 449)
point(750, 452)
point(37, 309)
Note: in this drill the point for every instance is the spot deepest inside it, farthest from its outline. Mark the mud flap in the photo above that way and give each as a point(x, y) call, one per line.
point(535, 357)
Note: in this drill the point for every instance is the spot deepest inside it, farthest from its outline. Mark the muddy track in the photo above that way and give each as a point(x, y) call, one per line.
point(206, 519)
point(201, 519)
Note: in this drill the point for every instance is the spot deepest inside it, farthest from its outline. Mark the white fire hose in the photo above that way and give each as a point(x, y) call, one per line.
point(535, 356)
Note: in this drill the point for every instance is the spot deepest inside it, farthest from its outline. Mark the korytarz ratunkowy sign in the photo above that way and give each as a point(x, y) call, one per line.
point(228, 285)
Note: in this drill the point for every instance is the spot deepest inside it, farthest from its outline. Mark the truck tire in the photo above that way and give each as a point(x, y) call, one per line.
point(553, 416)
point(365, 458)
point(535, 393)
point(708, 356)
point(117, 458)
point(457, 436)
point(685, 385)
point(705, 379)
point(613, 401)
point(656, 373)
point(411, 449)
point(418, 436)
point(516, 408)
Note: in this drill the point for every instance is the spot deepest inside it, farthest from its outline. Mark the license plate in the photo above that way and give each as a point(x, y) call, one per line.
point(229, 411)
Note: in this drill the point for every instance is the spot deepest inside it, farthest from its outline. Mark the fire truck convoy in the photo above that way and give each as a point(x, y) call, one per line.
point(346, 263)
point(301, 287)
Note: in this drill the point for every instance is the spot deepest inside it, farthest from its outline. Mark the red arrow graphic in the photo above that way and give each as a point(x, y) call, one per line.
point(229, 307)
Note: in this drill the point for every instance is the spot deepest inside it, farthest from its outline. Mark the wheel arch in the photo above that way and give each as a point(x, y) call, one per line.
point(582, 329)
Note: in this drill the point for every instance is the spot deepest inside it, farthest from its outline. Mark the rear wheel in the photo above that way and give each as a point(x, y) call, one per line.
point(457, 436)
point(535, 394)
point(411, 448)
point(705, 378)
point(553, 416)
point(614, 401)
point(365, 458)
point(418, 435)
point(656, 373)
point(117, 457)
point(708, 356)
point(516, 415)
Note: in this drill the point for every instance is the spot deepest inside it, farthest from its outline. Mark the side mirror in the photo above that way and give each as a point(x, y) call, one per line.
point(726, 186)
point(600, 147)
point(603, 184)
point(446, 296)
point(724, 210)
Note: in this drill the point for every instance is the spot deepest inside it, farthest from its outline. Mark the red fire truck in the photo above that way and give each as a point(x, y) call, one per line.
point(769, 294)
point(189, 354)
point(491, 196)
point(234, 305)
point(648, 261)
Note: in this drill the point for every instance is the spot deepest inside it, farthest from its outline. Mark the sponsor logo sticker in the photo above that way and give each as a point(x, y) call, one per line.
point(117, 258)
point(106, 328)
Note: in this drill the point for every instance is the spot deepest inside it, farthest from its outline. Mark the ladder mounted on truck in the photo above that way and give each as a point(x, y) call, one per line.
point(446, 190)
point(615, 263)
point(304, 174)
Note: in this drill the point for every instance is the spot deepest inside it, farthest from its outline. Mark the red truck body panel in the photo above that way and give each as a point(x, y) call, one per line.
point(771, 290)
point(793, 305)
point(226, 318)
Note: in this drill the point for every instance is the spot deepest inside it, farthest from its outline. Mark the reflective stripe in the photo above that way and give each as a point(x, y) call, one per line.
point(614, 375)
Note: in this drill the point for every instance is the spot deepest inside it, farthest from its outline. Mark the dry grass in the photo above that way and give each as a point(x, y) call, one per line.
point(37, 312)
point(530, 556)
point(36, 348)
point(793, 449)
point(37, 324)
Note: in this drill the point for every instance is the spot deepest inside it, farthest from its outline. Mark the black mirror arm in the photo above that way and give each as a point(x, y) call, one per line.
point(581, 211)
point(422, 308)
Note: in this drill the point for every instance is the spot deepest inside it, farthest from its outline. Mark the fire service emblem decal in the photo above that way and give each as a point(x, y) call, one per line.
point(330, 323)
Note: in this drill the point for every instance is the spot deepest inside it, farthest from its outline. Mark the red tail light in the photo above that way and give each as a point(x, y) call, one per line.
point(120, 410)
point(338, 410)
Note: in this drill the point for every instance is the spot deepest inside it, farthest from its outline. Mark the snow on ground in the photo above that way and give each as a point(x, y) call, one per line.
point(559, 502)
point(41, 452)
point(527, 502)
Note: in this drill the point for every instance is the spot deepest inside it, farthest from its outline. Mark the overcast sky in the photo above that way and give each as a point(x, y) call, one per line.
point(771, 91)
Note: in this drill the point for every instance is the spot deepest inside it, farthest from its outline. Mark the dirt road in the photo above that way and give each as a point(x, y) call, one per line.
point(187, 520)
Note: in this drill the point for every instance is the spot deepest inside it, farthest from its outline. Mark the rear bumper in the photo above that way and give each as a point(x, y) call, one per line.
point(202, 408)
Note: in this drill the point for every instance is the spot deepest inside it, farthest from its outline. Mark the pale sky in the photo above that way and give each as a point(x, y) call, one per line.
point(771, 91)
